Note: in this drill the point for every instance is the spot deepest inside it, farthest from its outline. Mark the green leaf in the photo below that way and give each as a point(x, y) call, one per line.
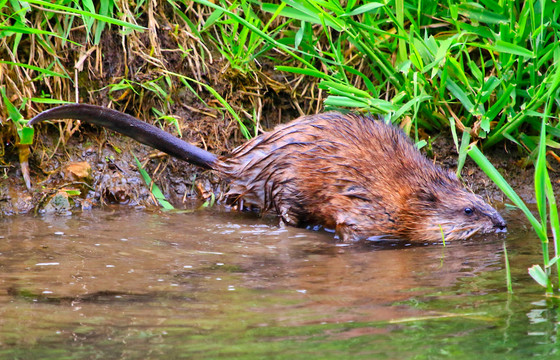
point(498, 179)
point(29, 30)
point(364, 8)
point(342, 89)
point(499, 105)
point(465, 139)
point(210, 20)
point(26, 135)
point(406, 106)
point(210, 202)
point(72, 11)
point(538, 274)
point(153, 187)
point(292, 13)
point(344, 101)
point(458, 70)
point(303, 71)
point(476, 12)
point(301, 13)
point(459, 94)
point(14, 113)
point(49, 101)
point(489, 86)
point(540, 175)
point(299, 35)
point(36, 68)
point(508, 48)
point(482, 31)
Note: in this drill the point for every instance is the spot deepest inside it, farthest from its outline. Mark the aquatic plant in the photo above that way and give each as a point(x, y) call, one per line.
point(546, 205)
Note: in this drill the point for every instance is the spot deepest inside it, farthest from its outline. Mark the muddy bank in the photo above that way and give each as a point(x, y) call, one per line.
point(93, 169)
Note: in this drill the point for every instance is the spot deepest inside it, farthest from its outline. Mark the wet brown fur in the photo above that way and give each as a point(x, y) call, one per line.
point(351, 173)
point(357, 175)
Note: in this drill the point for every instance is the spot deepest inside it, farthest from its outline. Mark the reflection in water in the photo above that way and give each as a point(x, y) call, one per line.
point(160, 281)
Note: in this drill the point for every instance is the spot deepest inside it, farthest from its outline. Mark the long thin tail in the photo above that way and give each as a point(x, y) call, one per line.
point(130, 126)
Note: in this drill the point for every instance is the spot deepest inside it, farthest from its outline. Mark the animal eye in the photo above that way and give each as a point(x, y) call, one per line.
point(468, 210)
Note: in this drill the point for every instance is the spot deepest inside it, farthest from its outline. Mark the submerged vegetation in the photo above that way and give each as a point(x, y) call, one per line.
point(487, 70)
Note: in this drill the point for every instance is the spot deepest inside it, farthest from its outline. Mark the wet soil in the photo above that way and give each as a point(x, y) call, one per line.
point(111, 175)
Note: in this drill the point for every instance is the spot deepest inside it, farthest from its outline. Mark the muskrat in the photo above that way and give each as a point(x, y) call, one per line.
point(352, 173)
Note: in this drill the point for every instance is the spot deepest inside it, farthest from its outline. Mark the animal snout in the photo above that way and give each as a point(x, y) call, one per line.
point(500, 224)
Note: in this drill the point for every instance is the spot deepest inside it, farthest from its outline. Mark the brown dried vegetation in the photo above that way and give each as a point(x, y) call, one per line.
point(121, 71)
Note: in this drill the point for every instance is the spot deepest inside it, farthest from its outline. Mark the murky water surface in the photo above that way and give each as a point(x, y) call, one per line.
point(126, 284)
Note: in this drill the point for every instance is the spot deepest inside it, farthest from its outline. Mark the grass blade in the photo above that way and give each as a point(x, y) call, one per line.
point(497, 178)
point(154, 189)
point(72, 11)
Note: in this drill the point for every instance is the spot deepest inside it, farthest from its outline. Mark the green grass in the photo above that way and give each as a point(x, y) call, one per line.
point(489, 66)
point(25, 134)
point(154, 189)
point(547, 209)
point(485, 67)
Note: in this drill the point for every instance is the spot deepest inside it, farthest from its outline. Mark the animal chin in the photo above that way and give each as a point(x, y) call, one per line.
point(451, 231)
point(464, 232)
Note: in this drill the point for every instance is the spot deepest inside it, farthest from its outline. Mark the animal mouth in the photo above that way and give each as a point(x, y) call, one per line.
point(496, 229)
point(462, 233)
point(500, 225)
point(465, 234)
point(500, 229)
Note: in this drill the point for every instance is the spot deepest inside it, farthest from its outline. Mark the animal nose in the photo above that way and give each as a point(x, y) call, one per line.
point(500, 224)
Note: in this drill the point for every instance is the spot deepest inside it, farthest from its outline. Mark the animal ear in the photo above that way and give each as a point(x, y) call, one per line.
point(426, 196)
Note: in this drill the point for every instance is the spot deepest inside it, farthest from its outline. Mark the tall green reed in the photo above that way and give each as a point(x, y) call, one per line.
point(546, 205)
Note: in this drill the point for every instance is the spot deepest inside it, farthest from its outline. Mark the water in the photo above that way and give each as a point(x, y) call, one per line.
point(126, 284)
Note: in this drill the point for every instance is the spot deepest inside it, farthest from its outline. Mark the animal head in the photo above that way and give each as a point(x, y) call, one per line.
point(449, 211)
